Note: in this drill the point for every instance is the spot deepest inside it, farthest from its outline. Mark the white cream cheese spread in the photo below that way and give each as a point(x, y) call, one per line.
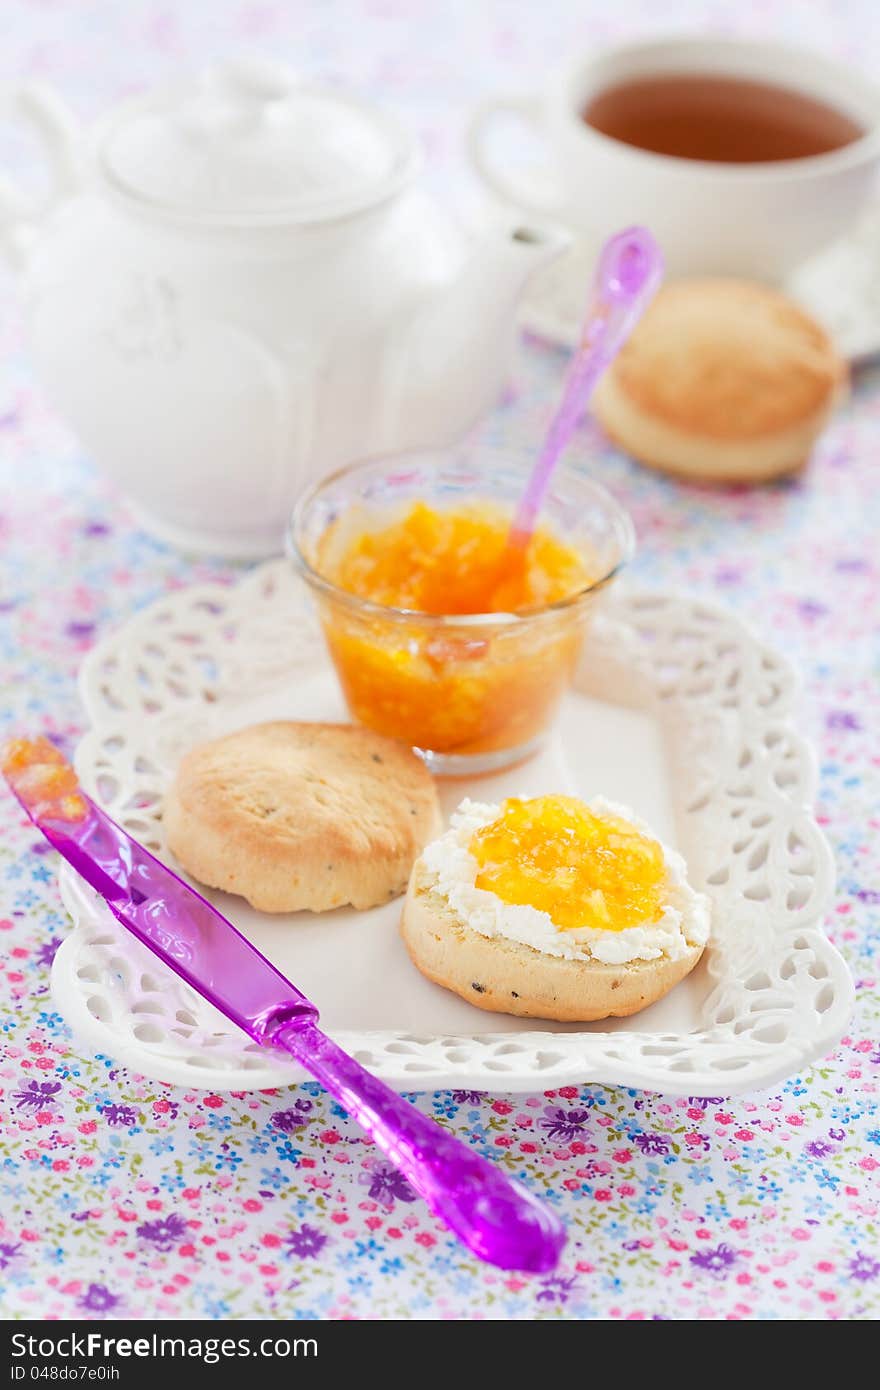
point(452, 870)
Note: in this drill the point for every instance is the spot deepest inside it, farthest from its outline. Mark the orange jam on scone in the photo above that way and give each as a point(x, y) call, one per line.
point(42, 779)
point(454, 685)
point(554, 854)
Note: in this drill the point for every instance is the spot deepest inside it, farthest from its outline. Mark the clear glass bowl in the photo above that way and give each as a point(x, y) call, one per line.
point(471, 693)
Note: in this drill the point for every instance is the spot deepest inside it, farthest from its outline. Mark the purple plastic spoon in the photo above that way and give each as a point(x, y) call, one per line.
point(495, 1217)
point(628, 274)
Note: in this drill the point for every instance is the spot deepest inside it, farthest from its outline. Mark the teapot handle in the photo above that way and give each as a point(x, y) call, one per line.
point(39, 106)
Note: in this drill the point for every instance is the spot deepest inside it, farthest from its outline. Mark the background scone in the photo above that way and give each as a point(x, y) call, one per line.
point(516, 960)
point(294, 816)
point(723, 380)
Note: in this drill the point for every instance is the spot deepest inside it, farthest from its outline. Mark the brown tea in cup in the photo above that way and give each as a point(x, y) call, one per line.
point(725, 120)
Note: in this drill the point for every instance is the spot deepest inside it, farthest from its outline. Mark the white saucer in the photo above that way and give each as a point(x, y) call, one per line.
point(841, 288)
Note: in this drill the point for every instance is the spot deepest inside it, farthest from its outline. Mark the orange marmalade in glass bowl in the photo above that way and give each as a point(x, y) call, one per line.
point(439, 635)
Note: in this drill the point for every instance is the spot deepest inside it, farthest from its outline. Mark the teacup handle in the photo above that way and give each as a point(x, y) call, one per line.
point(510, 188)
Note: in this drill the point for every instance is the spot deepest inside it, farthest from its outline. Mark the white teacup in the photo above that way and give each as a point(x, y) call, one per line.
point(758, 220)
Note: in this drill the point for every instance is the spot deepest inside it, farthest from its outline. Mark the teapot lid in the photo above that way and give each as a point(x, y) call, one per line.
point(250, 142)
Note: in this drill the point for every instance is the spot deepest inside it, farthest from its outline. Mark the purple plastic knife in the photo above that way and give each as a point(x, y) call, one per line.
point(495, 1217)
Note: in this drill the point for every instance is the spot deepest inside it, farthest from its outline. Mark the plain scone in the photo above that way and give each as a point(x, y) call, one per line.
point(506, 977)
point(302, 816)
point(724, 381)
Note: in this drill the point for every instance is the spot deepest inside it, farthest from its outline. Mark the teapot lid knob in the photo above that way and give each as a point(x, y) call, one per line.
point(254, 79)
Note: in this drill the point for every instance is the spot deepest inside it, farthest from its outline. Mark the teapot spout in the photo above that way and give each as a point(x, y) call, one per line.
point(545, 240)
point(514, 251)
point(502, 261)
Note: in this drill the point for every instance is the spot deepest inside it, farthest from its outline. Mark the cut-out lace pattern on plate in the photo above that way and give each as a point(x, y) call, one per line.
point(743, 781)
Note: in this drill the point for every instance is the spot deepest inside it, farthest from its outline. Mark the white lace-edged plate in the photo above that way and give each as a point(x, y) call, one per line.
point(678, 709)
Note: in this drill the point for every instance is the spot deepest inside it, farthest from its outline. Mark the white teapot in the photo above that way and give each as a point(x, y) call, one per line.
point(236, 287)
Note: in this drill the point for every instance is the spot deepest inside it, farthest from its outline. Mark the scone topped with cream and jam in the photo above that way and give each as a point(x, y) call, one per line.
point(552, 907)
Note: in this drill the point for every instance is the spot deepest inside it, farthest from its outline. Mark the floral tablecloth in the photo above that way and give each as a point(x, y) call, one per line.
point(120, 1197)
